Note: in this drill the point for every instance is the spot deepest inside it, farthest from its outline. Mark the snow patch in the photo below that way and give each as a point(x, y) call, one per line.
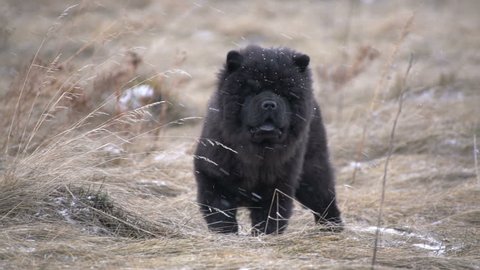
point(113, 149)
point(420, 241)
point(134, 98)
point(169, 156)
point(154, 182)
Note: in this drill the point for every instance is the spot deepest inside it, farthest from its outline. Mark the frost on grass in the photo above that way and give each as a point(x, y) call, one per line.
point(97, 213)
point(397, 237)
point(158, 188)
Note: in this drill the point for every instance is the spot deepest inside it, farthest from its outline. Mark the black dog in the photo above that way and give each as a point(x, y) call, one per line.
point(264, 143)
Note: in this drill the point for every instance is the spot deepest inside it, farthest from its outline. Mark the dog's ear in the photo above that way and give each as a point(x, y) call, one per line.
point(234, 61)
point(301, 61)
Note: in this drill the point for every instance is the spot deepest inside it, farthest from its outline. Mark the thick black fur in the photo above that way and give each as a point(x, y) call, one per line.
point(264, 132)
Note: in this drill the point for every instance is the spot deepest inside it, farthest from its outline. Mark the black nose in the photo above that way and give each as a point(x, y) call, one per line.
point(269, 105)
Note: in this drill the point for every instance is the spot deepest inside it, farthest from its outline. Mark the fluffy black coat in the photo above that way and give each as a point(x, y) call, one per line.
point(263, 143)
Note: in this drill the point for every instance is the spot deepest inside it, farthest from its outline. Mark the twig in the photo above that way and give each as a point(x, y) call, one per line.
point(270, 209)
point(475, 158)
point(32, 64)
point(17, 105)
point(390, 152)
point(277, 192)
point(379, 86)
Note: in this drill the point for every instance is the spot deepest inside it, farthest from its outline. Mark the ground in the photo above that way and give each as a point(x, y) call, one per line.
point(88, 180)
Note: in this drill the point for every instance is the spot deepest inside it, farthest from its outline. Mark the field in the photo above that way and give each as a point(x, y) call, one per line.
point(101, 105)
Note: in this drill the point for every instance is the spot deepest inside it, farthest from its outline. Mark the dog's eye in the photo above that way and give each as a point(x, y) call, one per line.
point(253, 85)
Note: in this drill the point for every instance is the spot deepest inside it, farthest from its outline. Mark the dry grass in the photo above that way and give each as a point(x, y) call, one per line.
point(89, 181)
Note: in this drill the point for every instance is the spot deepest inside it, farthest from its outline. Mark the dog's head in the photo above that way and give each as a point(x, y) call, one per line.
point(265, 97)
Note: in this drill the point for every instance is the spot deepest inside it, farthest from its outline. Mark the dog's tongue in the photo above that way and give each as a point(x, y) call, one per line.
point(267, 127)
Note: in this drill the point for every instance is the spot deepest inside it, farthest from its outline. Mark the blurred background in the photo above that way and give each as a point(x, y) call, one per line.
point(102, 102)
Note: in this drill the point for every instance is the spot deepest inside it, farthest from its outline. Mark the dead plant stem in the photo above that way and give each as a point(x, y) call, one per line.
point(389, 155)
point(17, 105)
point(380, 85)
point(475, 157)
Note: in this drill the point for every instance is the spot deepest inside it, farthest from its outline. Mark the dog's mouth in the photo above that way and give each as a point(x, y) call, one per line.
point(266, 132)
